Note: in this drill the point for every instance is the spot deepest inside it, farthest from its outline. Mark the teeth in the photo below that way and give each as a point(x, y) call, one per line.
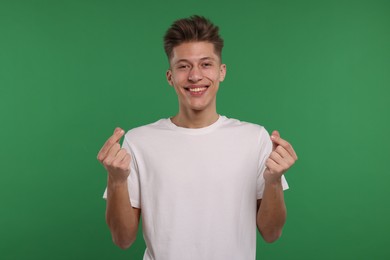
point(197, 89)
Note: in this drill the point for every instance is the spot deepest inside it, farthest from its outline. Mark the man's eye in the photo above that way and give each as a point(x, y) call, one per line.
point(207, 65)
point(182, 66)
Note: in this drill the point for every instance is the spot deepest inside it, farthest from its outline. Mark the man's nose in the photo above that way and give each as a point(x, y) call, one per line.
point(195, 74)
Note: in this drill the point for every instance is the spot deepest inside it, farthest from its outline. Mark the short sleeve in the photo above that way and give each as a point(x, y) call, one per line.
point(133, 179)
point(265, 150)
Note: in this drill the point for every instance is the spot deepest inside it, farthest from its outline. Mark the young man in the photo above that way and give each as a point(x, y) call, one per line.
point(202, 181)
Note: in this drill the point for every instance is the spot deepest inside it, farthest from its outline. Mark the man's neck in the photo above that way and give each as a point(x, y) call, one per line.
point(195, 119)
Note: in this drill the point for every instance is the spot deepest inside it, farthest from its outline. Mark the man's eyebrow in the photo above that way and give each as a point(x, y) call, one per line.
point(208, 58)
point(201, 59)
point(181, 60)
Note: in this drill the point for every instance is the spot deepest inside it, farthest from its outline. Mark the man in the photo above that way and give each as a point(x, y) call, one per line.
point(202, 181)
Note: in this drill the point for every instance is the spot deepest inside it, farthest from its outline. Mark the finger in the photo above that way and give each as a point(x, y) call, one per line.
point(123, 163)
point(126, 162)
point(284, 154)
point(274, 133)
point(117, 162)
point(277, 158)
point(272, 165)
point(277, 140)
point(111, 155)
point(120, 155)
point(118, 133)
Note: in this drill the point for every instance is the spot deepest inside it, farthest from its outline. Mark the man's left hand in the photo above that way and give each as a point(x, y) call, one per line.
point(280, 160)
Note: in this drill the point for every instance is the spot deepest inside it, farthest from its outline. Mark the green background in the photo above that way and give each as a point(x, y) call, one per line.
point(71, 71)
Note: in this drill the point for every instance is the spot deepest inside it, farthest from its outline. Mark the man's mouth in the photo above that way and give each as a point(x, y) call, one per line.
point(196, 90)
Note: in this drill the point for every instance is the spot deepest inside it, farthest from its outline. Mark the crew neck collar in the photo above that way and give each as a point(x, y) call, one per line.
point(195, 131)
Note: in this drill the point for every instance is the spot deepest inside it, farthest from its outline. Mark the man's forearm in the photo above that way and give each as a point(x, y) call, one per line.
point(120, 215)
point(271, 214)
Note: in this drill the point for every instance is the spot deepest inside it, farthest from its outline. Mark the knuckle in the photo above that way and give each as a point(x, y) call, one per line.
point(115, 164)
point(288, 164)
point(107, 162)
point(268, 162)
point(126, 167)
point(292, 161)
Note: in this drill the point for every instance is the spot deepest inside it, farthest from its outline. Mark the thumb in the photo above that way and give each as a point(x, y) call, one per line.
point(275, 135)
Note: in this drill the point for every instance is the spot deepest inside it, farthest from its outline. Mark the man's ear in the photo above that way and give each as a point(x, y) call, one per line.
point(169, 77)
point(222, 72)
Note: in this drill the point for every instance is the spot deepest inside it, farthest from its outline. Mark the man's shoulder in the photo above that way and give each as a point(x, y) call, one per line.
point(148, 129)
point(248, 133)
point(240, 125)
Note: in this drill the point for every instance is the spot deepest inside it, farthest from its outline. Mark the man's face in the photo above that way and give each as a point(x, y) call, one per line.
point(195, 72)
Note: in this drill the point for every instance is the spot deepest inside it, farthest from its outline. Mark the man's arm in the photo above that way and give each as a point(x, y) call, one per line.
point(271, 213)
point(271, 209)
point(121, 217)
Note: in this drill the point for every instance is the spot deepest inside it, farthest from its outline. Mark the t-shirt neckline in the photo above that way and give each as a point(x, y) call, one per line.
point(195, 131)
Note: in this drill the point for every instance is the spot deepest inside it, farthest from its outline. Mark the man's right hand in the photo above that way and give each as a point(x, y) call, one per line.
point(115, 159)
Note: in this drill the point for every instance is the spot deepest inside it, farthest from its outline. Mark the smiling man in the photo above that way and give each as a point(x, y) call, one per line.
point(202, 182)
point(195, 73)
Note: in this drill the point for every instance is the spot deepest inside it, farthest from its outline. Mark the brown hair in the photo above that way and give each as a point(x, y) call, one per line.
point(193, 29)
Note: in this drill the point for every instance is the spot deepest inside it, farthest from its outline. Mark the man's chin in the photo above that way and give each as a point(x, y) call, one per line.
point(200, 107)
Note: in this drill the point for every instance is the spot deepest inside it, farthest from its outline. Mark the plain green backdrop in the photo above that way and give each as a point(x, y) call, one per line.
point(71, 71)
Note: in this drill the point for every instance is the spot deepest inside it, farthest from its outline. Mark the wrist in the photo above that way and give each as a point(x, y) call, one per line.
point(275, 182)
point(116, 182)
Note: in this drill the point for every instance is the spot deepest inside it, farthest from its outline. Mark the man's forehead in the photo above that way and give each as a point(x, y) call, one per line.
point(193, 51)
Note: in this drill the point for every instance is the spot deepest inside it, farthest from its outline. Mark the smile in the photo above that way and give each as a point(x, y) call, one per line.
point(196, 91)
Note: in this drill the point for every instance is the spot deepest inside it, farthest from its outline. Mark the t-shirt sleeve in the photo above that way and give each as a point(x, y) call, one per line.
point(133, 179)
point(265, 151)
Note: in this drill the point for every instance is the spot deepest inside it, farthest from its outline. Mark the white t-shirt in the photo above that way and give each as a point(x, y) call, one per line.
point(198, 188)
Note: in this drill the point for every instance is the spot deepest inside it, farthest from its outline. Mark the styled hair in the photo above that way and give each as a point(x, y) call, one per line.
point(193, 29)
